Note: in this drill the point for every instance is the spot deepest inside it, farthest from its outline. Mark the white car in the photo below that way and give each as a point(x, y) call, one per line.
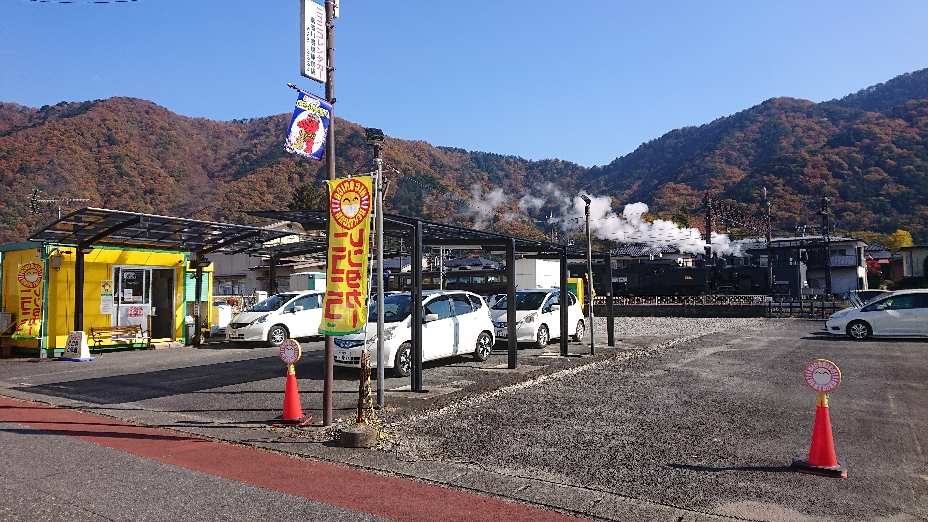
point(455, 322)
point(899, 314)
point(279, 317)
point(539, 317)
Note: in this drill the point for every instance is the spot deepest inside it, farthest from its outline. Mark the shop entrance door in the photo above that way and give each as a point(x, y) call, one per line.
point(162, 302)
point(145, 296)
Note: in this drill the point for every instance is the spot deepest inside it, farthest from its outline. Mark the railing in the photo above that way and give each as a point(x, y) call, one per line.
point(684, 300)
point(777, 308)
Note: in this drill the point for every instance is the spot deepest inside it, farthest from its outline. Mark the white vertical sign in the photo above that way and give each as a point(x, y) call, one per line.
point(335, 8)
point(312, 40)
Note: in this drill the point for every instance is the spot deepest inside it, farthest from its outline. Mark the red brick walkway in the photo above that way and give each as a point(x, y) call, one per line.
point(388, 497)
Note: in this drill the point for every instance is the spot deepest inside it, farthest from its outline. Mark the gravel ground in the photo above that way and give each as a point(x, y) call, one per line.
point(671, 420)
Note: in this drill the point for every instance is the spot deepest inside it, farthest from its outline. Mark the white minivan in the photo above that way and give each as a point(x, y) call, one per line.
point(281, 316)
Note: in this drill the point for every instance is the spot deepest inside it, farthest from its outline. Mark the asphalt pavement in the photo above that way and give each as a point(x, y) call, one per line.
point(673, 423)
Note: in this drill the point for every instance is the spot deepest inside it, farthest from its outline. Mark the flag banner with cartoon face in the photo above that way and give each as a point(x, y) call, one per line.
point(309, 126)
point(344, 309)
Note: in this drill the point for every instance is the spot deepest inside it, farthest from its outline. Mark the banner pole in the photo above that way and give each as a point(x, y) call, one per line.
point(329, 352)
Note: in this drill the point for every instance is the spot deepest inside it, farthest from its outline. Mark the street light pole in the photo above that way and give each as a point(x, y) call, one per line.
point(589, 269)
point(375, 137)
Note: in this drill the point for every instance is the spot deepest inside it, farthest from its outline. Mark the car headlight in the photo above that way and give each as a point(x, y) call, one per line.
point(500, 324)
point(840, 313)
point(529, 318)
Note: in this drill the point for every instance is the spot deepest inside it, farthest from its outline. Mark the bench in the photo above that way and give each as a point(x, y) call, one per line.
point(130, 335)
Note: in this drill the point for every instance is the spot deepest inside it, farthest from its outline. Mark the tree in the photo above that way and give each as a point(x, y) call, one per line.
point(682, 216)
point(309, 196)
point(899, 239)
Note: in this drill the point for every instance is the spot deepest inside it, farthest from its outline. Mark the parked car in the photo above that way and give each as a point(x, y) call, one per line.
point(902, 314)
point(538, 315)
point(279, 317)
point(856, 298)
point(494, 298)
point(454, 322)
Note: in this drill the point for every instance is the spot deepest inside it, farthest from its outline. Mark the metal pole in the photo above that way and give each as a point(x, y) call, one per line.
point(610, 300)
point(378, 159)
point(328, 367)
point(589, 270)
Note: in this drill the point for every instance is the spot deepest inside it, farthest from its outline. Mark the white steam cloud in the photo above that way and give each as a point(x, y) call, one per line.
point(484, 207)
point(631, 228)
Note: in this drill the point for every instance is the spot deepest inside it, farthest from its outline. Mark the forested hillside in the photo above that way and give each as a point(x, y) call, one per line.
point(867, 151)
point(872, 163)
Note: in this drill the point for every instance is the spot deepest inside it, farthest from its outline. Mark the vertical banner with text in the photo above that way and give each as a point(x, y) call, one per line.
point(312, 40)
point(308, 127)
point(345, 306)
point(29, 320)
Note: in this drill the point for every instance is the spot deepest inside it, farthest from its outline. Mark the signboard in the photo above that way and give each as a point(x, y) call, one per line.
point(822, 375)
point(106, 297)
point(76, 347)
point(29, 290)
point(344, 310)
point(312, 40)
point(290, 351)
point(309, 126)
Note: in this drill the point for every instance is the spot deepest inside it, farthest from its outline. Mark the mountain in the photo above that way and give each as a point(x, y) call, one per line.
point(867, 151)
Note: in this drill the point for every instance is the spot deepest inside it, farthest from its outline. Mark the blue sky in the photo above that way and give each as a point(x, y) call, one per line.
point(584, 81)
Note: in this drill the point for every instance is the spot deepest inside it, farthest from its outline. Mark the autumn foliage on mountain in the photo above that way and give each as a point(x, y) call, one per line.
point(867, 152)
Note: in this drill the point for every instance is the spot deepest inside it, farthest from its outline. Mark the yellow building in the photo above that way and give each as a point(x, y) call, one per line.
point(121, 286)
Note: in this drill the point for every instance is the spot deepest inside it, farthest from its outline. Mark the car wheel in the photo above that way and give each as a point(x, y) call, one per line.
point(402, 361)
point(484, 345)
point(580, 331)
point(859, 330)
point(543, 337)
point(277, 334)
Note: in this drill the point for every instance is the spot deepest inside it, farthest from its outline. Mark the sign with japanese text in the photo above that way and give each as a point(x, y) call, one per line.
point(309, 126)
point(312, 41)
point(106, 296)
point(344, 309)
point(29, 286)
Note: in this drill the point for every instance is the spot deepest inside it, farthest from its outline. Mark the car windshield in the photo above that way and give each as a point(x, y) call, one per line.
point(396, 308)
point(524, 301)
point(271, 303)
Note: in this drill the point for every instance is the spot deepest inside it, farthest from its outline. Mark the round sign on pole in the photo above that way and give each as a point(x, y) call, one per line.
point(290, 351)
point(822, 375)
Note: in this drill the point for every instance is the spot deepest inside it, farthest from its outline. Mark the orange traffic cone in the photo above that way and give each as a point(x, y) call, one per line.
point(293, 412)
point(822, 459)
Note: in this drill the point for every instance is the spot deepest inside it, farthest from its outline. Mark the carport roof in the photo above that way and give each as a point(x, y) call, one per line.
point(435, 234)
point(99, 227)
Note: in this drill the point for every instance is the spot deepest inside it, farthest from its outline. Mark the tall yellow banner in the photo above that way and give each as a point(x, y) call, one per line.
point(345, 305)
point(29, 318)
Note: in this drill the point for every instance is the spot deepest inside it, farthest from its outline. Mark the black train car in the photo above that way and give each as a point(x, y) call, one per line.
point(664, 277)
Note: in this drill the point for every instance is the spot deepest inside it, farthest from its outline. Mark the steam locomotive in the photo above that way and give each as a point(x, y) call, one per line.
point(648, 278)
point(667, 278)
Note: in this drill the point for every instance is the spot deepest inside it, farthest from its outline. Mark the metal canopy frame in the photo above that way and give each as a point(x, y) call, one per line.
point(90, 227)
point(426, 233)
point(97, 227)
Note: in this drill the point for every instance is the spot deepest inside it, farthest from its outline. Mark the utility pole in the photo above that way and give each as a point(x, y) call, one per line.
point(329, 352)
point(827, 241)
point(769, 239)
point(708, 262)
